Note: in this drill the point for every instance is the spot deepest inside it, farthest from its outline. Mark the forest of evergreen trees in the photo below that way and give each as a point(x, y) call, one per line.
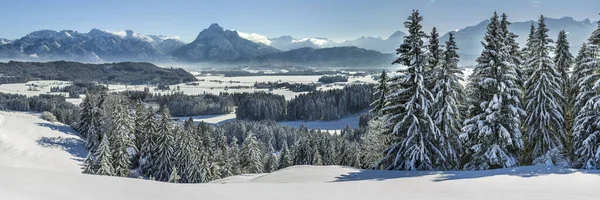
point(521, 106)
point(127, 139)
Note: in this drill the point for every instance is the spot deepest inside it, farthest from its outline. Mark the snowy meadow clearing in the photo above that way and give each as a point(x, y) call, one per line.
point(32, 167)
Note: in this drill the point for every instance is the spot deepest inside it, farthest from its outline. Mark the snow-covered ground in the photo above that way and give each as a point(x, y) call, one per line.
point(41, 161)
point(27, 141)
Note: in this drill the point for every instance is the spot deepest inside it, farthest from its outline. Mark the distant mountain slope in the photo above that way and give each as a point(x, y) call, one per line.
point(333, 57)
point(218, 44)
point(94, 46)
point(388, 45)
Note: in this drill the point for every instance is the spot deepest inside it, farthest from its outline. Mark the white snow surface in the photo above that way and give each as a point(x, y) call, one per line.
point(27, 141)
point(32, 170)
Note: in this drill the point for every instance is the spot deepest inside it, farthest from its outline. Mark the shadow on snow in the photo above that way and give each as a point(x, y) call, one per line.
point(74, 146)
point(437, 176)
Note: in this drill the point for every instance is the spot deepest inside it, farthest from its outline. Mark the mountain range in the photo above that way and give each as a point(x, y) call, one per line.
point(216, 44)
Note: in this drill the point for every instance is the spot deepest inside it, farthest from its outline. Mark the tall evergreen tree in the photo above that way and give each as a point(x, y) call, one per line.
point(104, 158)
point(149, 136)
point(563, 59)
point(416, 144)
point(234, 157)
point(85, 117)
point(89, 164)
point(120, 140)
point(285, 158)
point(381, 90)
point(586, 129)
point(270, 159)
point(545, 121)
point(251, 156)
point(449, 97)
point(373, 143)
point(139, 135)
point(492, 133)
point(188, 157)
point(164, 153)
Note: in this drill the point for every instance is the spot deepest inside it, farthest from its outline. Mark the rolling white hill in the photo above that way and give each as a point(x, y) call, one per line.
point(32, 167)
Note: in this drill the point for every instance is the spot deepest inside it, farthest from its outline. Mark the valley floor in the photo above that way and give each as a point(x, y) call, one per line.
point(41, 160)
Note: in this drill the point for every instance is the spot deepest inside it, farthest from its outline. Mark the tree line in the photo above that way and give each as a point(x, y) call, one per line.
point(318, 105)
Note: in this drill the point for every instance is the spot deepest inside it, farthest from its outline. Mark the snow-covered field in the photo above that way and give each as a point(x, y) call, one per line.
point(27, 141)
point(32, 167)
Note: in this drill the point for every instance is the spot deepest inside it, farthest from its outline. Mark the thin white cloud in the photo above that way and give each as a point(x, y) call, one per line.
point(537, 3)
point(255, 37)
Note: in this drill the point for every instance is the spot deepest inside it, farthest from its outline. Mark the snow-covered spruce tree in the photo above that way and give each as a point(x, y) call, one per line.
point(492, 134)
point(381, 90)
point(586, 128)
point(174, 177)
point(580, 70)
point(373, 143)
point(89, 164)
point(150, 132)
point(139, 135)
point(234, 157)
point(120, 140)
point(251, 156)
point(163, 151)
point(563, 59)
point(271, 162)
point(435, 55)
point(285, 158)
point(416, 140)
point(544, 98)
point(449, 97)
point(104, 158)
point(85, 117)
point(221, 153)
point(188, 157)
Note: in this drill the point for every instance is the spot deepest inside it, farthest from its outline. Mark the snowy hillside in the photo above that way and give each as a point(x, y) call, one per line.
point(26, 141)
point(40, 160)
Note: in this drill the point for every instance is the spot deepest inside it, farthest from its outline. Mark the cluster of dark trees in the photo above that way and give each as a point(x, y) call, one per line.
point(181, 104)
point(333, 79)
point(331, 104)
point(318, 105)
point(78, 88)
point(64, 111)
point(123, 73)
point(260, 106)
point(294, 87)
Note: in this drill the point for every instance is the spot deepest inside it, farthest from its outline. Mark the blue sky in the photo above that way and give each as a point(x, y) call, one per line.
point(335, 19)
